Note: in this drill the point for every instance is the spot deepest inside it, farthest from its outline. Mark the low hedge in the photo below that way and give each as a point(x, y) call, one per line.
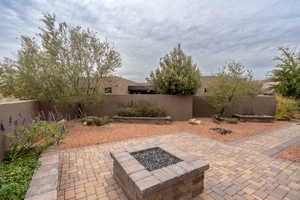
point(142, 110)
point(95, 121)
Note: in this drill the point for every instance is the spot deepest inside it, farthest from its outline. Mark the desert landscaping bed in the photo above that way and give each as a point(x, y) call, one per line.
point(254, 118)
point(291, 153)
point(80, 135)
point(145, 120)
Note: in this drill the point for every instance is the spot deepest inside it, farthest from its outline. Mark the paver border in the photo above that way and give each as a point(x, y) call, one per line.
point(45, 180)
point(234, 143)
point(274, 150)
point(189, 133)
point(270, 132)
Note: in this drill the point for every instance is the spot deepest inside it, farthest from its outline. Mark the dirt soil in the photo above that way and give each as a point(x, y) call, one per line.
point(80, 135)
point(291, 153)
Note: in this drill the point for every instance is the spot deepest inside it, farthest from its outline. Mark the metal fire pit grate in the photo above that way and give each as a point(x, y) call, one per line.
point(155, 158)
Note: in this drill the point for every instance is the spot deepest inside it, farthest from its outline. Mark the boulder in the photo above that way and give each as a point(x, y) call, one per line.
point(62, 122)
point(194, 121)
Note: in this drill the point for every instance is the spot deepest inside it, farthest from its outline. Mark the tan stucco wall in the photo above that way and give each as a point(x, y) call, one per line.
point(18, 110)
point(259, 105)
point(178, 107)
point(201, 108)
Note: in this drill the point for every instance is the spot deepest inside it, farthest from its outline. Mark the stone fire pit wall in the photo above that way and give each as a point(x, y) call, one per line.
point(182, 180)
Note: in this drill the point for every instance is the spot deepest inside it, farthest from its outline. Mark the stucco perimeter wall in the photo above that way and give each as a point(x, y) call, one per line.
point(259, 105)
point(15, 115)
point(201, 108)
point(178, 107)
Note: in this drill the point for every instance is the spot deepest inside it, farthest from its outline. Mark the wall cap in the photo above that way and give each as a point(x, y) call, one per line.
point(45, 180)
point(17, 101)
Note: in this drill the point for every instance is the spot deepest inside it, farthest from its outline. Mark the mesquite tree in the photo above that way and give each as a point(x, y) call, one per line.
point(232, 83)
point(176, 74)
point(63, 63)
point(287, 73)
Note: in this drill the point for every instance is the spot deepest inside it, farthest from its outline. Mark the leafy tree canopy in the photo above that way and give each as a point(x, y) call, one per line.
point(176, 74)
point(232, 83)
point(62, 62)
point(287, 73)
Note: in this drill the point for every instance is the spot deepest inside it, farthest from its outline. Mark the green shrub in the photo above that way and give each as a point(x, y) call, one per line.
point(217, 119)
point(176, 74)
point(41, 135)
point(15, 177)
point(231, 120)
point(285, 108)
point(142, 110)
point(96, 121)
point(21, 159)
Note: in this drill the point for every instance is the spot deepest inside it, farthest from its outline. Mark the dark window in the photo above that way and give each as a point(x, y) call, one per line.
point(134, 89)
point(205, 90)
point(108, 90)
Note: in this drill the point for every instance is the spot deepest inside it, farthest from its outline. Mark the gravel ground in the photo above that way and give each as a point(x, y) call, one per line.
point(80, 135)
point(291, 153)
point(155, 158)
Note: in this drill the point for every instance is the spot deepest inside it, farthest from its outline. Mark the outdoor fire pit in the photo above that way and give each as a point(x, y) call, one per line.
point(158, 171)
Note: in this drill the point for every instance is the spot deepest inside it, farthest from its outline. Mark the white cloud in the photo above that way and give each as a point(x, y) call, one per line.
point(212, 31)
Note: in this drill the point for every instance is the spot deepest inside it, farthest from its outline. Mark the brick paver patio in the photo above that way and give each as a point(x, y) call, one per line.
point(240, 170)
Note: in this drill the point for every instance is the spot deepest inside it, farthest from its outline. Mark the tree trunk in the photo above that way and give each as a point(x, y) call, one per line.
point(80, 110)
point(222, 112)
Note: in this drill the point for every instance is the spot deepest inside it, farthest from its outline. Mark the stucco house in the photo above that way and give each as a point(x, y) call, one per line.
point(120, 85)
point(205, 80)
point(268, 87)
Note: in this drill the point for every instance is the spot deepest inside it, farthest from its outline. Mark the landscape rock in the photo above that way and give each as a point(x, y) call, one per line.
point(222, 131)
point(62, 122)
point(194, 121)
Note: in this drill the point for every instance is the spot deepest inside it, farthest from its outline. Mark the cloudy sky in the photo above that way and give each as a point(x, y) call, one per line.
point(212, 31)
